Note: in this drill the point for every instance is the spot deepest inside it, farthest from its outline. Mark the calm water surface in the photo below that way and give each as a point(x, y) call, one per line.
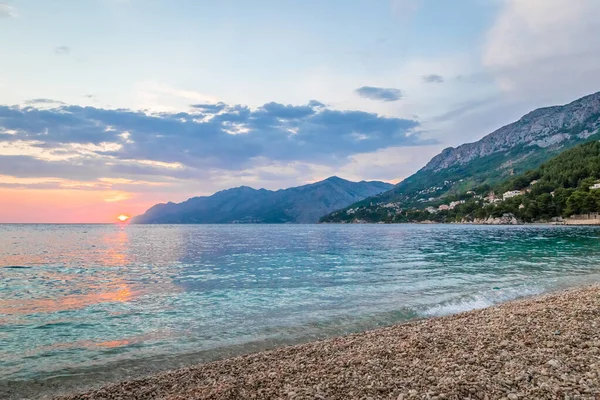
point(81, 305)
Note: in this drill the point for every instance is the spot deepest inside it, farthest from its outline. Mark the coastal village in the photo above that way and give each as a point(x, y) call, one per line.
point(491, 197)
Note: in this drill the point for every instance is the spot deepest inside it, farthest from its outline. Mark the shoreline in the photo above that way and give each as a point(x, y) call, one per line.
point(428, 222)
point(545, 346)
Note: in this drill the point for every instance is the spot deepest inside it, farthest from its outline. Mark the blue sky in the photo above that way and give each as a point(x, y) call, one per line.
point(247, 52)
point(98, 96)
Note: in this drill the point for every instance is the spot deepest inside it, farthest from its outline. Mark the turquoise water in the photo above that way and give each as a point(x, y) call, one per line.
point(81, 305)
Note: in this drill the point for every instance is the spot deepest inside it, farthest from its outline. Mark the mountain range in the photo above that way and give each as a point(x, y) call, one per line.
point(511, 150)
point(302, 204)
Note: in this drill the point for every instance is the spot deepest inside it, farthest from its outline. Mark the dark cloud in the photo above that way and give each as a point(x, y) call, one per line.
point(276, 110)
point(315, 104)
point(22, 166)
point(62, 50)
point(433, 78)
point(234, 137)
point(210, 108)
point(381, 94)
point(56, 125)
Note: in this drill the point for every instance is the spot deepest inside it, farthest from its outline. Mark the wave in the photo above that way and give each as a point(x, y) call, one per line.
point(488, 298)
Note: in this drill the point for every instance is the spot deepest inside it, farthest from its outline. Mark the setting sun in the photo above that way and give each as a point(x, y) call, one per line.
point(123, 217)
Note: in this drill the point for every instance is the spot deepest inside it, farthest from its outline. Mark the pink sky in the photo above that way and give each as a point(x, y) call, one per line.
point(70, 206)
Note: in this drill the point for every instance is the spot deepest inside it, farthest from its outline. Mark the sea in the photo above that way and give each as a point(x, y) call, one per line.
point(86, 305)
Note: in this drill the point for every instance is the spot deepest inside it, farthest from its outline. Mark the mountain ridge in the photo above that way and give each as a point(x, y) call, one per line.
point(501, 136)
point(244, 204)
point(510, 150)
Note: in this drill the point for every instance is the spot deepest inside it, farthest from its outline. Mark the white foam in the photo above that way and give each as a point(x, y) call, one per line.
point(480, 300)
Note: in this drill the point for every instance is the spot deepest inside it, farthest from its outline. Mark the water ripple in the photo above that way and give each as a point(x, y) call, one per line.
point(81, 301)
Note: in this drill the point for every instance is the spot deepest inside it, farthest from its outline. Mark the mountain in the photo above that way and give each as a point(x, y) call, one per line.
point(510, 150)
point(302, 204)
point(564, 186)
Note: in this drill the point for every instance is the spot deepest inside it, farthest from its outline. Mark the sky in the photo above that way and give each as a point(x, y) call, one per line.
point(110, 106)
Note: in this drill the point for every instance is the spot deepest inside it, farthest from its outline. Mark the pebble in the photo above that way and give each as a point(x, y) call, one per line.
point(554, 363)
point(502, 352)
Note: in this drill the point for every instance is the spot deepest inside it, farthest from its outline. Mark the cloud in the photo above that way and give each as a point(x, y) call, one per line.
point(116, 197)
point(116, 184)
point(79, 143)
point(25, 166)
point(545, 49)
point(33, 102)
point(433, 78)
point(536, 53)
point(210, 108)
point(159, 96)
point(470, 106)
point(7, 11)
point(277, 110)
point(381, 94)
point(316, 104)
point(54, 126)
point(62, 50)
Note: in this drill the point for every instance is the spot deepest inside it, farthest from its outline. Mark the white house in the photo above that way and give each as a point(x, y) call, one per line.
point(511, 193)
point(595, 186)
point(455, 203)
point(431, 210)
point(443, 207)
point(490, 197)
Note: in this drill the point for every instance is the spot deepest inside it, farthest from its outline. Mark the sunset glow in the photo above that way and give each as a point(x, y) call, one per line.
point(123, 217)
point(383, 101)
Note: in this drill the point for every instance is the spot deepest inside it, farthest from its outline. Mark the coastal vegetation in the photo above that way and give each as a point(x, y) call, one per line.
point(561, 187)
point(485, 165)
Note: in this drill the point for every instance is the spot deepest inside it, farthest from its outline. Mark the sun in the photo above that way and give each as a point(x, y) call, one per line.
point(123, 217)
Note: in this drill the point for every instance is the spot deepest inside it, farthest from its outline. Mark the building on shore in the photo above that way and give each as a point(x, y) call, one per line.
point(510, 194)
point(455, 203)
point(491, 197)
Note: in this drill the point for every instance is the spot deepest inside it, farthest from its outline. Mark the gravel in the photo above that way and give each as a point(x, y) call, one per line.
point(545, 347)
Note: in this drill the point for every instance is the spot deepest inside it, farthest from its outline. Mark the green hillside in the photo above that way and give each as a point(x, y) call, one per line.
point(510, 151)
point(558, 188)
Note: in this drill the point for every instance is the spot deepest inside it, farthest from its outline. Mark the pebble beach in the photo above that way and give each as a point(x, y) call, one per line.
point(544, 347)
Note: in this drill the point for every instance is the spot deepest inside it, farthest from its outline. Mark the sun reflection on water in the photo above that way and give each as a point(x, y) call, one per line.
point(67, 302)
